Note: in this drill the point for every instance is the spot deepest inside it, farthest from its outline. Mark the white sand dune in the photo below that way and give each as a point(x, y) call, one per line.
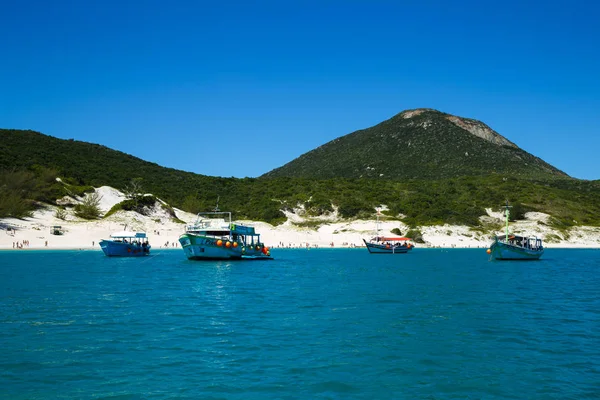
point(330, 232)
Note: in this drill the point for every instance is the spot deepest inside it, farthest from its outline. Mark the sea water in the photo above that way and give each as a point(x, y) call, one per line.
point(312, 324)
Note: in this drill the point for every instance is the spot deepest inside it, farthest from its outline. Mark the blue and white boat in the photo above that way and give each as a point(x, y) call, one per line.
point(515, 247)
point(215, 237)
point(126, 244)
point(387, 245)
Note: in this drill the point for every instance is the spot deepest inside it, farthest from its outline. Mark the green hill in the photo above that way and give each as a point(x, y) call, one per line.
point(418, 144)
point(29, 162)
point(92, 164)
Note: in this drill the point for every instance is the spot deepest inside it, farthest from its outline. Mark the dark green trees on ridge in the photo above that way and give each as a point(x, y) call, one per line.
point(437, 184)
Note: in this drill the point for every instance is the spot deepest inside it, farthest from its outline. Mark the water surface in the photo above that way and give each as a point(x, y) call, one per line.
point(325, 323)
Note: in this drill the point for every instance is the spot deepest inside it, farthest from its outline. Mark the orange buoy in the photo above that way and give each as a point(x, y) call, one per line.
point(488, 251)
point(235, 244)
point(228, 244)
point(219, 242)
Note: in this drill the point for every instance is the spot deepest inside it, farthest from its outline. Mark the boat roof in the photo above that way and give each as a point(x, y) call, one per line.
point(393, 239)
point(215, 222)
point(128, 234)
point(518, 237)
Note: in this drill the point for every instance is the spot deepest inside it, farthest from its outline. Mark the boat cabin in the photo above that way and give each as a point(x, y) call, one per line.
point(218, 225)
point(392, 241)
point(525, 242)
point(129, 237)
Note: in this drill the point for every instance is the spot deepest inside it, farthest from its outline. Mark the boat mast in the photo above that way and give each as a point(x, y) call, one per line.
point(506, 213)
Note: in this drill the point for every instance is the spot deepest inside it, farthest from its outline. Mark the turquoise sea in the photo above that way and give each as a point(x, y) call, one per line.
point(313, 324)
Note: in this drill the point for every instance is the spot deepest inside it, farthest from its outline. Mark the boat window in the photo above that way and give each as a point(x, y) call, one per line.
point(217, 233)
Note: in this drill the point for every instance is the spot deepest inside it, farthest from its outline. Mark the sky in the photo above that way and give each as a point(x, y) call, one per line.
point(236, 89)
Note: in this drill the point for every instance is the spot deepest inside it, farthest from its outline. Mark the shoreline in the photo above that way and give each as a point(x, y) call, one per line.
point(329, 231)
point(363, 248)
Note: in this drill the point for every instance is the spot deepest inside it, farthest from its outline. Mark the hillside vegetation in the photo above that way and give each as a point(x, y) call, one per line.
point(418, 144)
point(456, 200)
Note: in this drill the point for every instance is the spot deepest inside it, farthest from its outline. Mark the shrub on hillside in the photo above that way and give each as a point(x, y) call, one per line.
point(89, 208)
point(60, 213)
point(415, 235)
point(396, 231)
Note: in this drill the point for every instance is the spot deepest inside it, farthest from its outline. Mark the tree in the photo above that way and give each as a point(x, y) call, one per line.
point(133, 189)
point(16, 188)
point(89, 207)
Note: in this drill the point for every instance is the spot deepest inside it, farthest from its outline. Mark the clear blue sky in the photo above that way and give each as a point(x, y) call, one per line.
point(239, 88)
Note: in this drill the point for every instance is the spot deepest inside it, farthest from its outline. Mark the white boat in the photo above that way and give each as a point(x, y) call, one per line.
point(515, 247)
point(215, 237)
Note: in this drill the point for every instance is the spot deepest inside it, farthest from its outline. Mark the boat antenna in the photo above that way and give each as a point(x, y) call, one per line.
point(507, 213)
point(216, 209)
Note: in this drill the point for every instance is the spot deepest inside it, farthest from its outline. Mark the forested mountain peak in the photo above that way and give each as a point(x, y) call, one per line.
point(418, 144)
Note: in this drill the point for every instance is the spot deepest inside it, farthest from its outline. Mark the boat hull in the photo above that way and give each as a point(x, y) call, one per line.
point(201, 247)
point(505, 251)
point(122, 249)
point(385, 249)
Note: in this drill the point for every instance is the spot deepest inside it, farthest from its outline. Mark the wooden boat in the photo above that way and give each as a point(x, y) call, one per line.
point(215, 237)
point(515, 247)
point(387, 245)
point(126, 244)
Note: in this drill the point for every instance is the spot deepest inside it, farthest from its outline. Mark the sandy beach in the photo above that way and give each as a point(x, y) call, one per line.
point(35, 232)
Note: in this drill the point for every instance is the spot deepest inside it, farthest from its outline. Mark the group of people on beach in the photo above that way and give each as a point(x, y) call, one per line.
point(22, 244)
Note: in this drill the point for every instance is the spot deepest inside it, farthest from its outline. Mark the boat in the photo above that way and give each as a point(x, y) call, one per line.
point(515, 247)
point(215, 237)
point(126, 244)
point(387, 244)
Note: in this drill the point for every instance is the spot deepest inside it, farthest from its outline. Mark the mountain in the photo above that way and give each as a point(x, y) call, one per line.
point(418, 144)
point(30, 162)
